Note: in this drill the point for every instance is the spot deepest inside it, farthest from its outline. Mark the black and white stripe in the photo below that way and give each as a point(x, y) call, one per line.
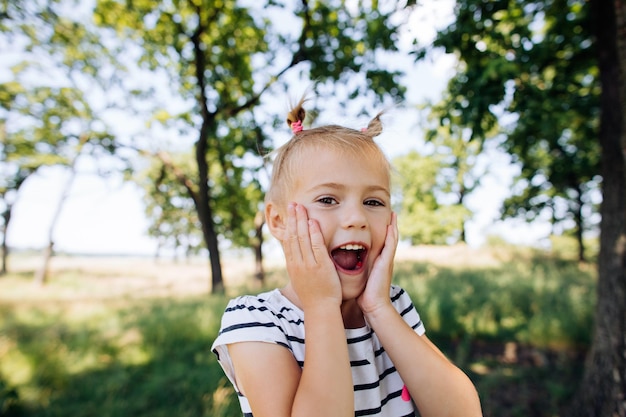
point(270, 317)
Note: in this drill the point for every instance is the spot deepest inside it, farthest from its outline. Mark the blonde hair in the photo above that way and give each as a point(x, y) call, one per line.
point(341, 139)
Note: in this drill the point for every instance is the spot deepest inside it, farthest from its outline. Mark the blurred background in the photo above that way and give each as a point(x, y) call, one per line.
point(135, 150)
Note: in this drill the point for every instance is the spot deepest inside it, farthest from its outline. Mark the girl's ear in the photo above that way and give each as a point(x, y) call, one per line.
point(275, 220)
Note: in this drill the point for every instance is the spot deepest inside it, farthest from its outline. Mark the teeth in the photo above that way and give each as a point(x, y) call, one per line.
point(352, 247)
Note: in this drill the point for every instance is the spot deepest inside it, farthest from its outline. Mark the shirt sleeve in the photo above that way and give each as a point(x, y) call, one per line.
point(404, 306)
point(246, 319)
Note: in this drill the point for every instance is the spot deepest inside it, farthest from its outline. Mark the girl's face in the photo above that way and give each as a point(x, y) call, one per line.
point(349, 196)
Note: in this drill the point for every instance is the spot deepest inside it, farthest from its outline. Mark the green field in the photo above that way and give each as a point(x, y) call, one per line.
point(131, 337)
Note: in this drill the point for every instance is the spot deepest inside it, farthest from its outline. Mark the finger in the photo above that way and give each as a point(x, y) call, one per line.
point(392, 232)
point(318, 246)
point(304, 237)
point(292, 242)
point(391, 242)
point(391, 239)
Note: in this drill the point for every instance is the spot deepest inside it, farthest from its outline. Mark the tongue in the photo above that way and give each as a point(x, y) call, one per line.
point(347, 259)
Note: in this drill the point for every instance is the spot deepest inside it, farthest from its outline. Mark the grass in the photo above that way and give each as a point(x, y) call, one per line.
point(128, 340)
point(519, 329)
point(149, 357)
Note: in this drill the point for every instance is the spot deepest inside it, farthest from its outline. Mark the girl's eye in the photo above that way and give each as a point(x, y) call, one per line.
point(376, 203)
point(327, 200)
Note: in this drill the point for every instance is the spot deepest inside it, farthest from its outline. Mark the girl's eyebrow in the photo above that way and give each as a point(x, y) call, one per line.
point(340, 186)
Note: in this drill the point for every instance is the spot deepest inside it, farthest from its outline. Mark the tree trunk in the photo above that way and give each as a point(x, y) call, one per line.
point(462, 195)
point(203, 200)
point(205, 211)
point(5, 247)
point(205, 215)
point(580, 225)
point(217, 283)
point(603, 389)
point(259, 272)
point(19, 181)
point(41, 276)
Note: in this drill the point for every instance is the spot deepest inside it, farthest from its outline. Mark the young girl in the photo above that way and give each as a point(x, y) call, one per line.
point(339, 339)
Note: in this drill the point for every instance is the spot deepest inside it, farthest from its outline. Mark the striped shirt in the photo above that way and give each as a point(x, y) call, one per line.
point(270, 317)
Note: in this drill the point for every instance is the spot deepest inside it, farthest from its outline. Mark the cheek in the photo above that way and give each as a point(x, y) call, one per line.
point(324, 221)
point(381, 229)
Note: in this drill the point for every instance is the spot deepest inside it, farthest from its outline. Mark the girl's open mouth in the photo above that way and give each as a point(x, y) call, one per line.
point(349, 257)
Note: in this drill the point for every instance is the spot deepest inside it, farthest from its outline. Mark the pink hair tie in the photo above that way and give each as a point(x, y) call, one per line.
point(296, 126)
point(363, 129)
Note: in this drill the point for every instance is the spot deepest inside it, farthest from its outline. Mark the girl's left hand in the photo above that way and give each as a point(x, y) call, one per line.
point(376, 293)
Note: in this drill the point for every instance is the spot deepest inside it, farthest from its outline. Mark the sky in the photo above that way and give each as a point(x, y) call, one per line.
point(106, 216)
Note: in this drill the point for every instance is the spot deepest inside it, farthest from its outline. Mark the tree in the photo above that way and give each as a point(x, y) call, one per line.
point(42, 126)
point(527, 70)
point(171, 215)
point(222, 58)
point(420, 184)
point(568, 55)
point(45, 118)
point(174, 220)
point(41, 276)
point(461, 175)
point(603, 388)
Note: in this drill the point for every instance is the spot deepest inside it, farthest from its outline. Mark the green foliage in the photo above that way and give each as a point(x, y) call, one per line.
point(340, 43)
point(566, 246)
point(65, 353)
point(229, 36)
point(222, 58)
point(419, 182)
point(171, 213)
point(539, 388)
point(149, 358)
point(527, 70)
point(9, 401)
point(46, 117)
point(533, 300)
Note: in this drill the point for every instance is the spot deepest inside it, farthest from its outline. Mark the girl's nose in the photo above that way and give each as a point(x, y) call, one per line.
point(354, 216)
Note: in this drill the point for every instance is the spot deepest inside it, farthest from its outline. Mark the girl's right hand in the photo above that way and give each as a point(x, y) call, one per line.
point(311, 271)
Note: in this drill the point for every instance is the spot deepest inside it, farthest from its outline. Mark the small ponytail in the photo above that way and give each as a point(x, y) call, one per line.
point(296, 116)
point(374, 127)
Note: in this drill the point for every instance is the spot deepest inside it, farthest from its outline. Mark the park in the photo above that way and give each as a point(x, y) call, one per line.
point(183, 101)
point(116, 336)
